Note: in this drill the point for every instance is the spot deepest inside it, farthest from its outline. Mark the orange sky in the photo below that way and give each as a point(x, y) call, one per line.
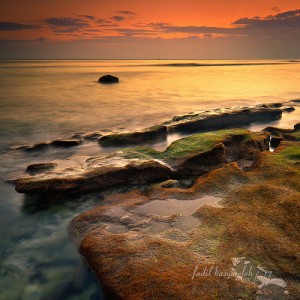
point(129, 22)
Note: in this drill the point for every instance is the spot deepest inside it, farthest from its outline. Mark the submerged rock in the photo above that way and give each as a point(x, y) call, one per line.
point(65, 143)
point(108, 79)
point(35, 147)
point(44, 146)
point(137, 137)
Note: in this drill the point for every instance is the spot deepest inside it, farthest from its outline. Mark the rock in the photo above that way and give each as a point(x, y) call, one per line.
point(288, 109)
point(40, 168)
point(275, 141)
point(224, 119)
point(296, 100)
point(204, 162)
point(277, 131)
point(36, 147)
point(297, 126)
point(108, 79)
point(188, 156)
point(44, 146)
point(261, 206)
point(77, 136)
point(289, 137)
point(97, 176)
point(171, 183)
point(65, 143)
point(92, 136)
point(274, 105)
point(147, 135)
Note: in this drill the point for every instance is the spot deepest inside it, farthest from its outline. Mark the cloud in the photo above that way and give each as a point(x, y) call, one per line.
point(283, 20)
point(282, 23)
point(103, 21)
point(88, 17)
point(276, 9)
point(10, 26)
point(135, 32)
point(37, 40)
point(66, 22)
point(168, 28)
point(126, 12)
point(118, 18)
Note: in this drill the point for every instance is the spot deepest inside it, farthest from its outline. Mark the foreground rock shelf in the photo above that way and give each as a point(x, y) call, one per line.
point(139, 248)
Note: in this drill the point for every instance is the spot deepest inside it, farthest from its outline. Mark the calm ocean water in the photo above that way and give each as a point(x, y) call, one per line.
point(48, 99)
point(44, 100)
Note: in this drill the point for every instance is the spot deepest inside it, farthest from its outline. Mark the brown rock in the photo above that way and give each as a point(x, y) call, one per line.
point(95, 177)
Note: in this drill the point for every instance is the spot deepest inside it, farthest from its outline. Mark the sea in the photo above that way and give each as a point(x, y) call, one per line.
point(43, 100)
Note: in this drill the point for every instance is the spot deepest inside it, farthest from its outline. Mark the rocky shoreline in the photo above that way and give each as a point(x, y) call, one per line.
point(210, 197)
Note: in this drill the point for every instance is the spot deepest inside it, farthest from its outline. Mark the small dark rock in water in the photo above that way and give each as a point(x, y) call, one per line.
point(275, 141)
point(40, 168)
point(297, 126)
point(108, 79)
point(36, 147)
point(65, 143)
point(288, 109)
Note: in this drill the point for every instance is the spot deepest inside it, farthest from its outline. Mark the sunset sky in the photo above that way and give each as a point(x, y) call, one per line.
point(120, 29)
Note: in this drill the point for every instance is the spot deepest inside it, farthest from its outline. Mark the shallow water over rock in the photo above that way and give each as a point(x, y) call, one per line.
point(174, 206)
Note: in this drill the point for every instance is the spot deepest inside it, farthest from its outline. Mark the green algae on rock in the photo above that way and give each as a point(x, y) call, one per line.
point(150, 134)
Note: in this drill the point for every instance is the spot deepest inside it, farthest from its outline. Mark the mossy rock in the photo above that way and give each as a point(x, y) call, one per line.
point(147, 135)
